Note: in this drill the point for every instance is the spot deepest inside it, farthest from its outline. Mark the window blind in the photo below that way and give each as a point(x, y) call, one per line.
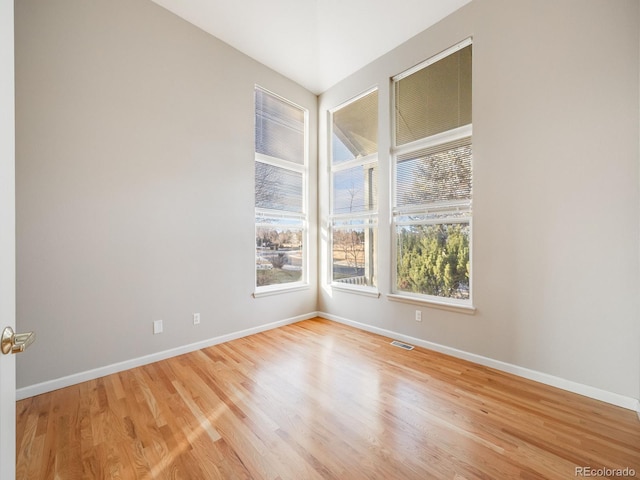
point(355, 129)
point(355, 190)
point(279, 128)
point(434, 99)
point(278, 188)
point(435, 175)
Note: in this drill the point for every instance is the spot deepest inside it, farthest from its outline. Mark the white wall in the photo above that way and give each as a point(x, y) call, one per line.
point(556, 190)
point(135, 173)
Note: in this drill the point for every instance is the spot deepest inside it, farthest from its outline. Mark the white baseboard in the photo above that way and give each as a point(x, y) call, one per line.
point(586, 390)
point(544, 378)
point(80, 377)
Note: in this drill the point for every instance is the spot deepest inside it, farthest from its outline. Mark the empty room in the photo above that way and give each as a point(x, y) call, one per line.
point(311, 239)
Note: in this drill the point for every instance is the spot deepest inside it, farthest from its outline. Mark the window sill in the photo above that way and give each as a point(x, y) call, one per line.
point(452, 307)
point(277, 291)
point(367, 292)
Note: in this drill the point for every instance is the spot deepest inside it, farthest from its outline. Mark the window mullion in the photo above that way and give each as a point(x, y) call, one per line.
point(434, 140)
point(356, 162)
point(278, 162)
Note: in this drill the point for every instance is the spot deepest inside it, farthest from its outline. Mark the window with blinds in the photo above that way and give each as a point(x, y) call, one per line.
point(433, 178)
point(280, 192)
point(280, 128)
point(434, 99)
point(354, 192)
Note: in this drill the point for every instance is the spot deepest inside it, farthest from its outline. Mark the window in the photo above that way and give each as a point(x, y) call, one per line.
point(354, 192)
point(432, 163)
point(280, 192)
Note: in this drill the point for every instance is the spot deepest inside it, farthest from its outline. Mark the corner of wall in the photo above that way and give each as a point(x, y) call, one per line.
point(537, 376)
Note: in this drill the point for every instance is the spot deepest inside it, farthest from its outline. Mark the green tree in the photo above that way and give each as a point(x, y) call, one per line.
point(434, 260)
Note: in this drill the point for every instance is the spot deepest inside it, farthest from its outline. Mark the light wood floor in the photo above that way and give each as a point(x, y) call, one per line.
point(318, 400)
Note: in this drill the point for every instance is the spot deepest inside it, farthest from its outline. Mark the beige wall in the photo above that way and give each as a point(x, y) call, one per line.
point(556, 190)
point(135, 185)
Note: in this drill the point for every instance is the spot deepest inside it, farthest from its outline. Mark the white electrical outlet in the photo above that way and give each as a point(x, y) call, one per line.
point(196, 318)
point(157, 326)
point(418, 315)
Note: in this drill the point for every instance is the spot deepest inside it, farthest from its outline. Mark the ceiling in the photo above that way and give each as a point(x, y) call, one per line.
point(316, 43)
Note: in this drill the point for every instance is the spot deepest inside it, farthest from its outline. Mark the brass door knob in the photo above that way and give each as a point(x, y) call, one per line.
point(16, 342)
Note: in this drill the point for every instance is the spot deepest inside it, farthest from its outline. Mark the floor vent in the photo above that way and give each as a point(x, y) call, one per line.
point(406, 346)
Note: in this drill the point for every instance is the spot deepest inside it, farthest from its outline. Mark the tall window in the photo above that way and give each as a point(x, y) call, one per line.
point(280, 192)
point(354, 192)
point(432, 162)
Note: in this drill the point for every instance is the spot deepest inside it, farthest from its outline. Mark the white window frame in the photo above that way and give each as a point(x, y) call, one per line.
point(294, 218)
point(454, 207)
point(369, 218)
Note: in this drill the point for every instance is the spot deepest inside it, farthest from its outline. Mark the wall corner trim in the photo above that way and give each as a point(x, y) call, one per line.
point(616, 399)
point(51, 385)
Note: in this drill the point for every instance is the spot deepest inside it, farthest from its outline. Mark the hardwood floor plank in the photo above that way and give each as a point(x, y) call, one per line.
point(318, 400)
point(28, 445)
